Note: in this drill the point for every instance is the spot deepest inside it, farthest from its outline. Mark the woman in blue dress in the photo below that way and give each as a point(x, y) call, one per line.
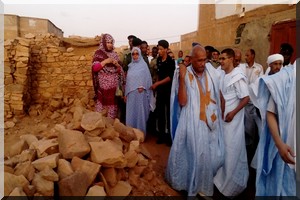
point(137, 91)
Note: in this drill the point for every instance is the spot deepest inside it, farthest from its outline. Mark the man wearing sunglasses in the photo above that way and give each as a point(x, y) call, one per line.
point(232, 177)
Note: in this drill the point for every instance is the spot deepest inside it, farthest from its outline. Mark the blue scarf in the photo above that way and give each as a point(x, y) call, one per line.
point(138, 74)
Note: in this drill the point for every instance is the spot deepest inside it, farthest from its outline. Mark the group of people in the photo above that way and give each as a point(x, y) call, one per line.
point(220, 116)
point(230, 117)
point(146, 85)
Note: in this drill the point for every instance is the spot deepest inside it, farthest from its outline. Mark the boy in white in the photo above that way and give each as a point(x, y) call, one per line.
point(231, 179)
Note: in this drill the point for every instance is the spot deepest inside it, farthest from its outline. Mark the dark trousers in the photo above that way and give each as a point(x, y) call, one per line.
point(122, 111)
point(163, 111)
point(251, 120)
point(151, 123)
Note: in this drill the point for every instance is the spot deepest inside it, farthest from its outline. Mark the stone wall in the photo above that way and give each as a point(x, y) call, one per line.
point(175, 47)
point(42, 70)
point(16, 64)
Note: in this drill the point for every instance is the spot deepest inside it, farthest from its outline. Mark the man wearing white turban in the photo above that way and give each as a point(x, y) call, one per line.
point(274, 62)
point(276, 99)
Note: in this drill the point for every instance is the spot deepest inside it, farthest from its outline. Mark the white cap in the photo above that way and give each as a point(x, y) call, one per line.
point(274, 57)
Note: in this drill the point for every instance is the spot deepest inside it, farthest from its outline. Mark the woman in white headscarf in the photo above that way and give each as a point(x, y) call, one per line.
point(137, 91)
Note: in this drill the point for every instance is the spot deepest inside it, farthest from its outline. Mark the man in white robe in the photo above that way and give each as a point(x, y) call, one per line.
point(253, 71)
point(276, 99)
point(232, 177)
point(286, 50)
point(274, 62)
point(197, 151)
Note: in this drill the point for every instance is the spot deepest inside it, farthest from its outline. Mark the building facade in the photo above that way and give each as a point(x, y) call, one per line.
point(247, 26)
point(17, 26)
point(260, 27)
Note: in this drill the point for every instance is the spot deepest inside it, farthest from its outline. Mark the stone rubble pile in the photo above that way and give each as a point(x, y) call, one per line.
point(87, 154)
point(42, 68)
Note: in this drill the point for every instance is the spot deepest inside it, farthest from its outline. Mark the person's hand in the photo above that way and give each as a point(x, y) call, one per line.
point(109, 60)
point(115, 62)
point(182, 70)
point(140, 90)
point(118, 66)
point(154, 86)
point(286, 153)
point(229, 117)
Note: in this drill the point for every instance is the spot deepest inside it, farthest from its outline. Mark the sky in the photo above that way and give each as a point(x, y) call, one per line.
point(149, 21)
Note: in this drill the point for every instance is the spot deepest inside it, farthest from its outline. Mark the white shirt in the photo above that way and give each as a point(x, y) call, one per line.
point(149, 58)
point(252, 72)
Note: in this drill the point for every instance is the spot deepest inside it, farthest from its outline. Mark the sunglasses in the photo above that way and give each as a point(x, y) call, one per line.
point(222, 58)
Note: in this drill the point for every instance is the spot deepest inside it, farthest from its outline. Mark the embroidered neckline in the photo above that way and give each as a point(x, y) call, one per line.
point(204, 97)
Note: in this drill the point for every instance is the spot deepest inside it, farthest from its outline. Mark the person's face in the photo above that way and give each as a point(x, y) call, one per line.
point(187, 61)
point(130, 42)
point(180, 54)
point(275, 66)
point(162, 51)
point(109, 45)
point(135, 55)
point(154, 53)
point(225, 61)
point(148, 51)
point(198, 61)
point(249, 57)
point(215, 56)
point(144, 49)
point(208, 54)
point(286, 55)
point(237, 59)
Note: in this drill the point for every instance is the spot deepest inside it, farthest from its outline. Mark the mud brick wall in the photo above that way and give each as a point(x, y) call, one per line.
point(41, 69)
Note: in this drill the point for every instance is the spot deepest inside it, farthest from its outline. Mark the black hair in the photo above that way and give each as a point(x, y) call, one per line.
point(286, 47)
point(144, 42)
point(215, 50)
point(229, 52)
point(131, 37)
point(209, 48)
point(136, 42)
point(154, 48)
point(163, 43)
point(252, 51)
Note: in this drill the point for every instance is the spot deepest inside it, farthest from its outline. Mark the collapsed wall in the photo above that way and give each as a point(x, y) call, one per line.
point(45, 70)
point(84, 154)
